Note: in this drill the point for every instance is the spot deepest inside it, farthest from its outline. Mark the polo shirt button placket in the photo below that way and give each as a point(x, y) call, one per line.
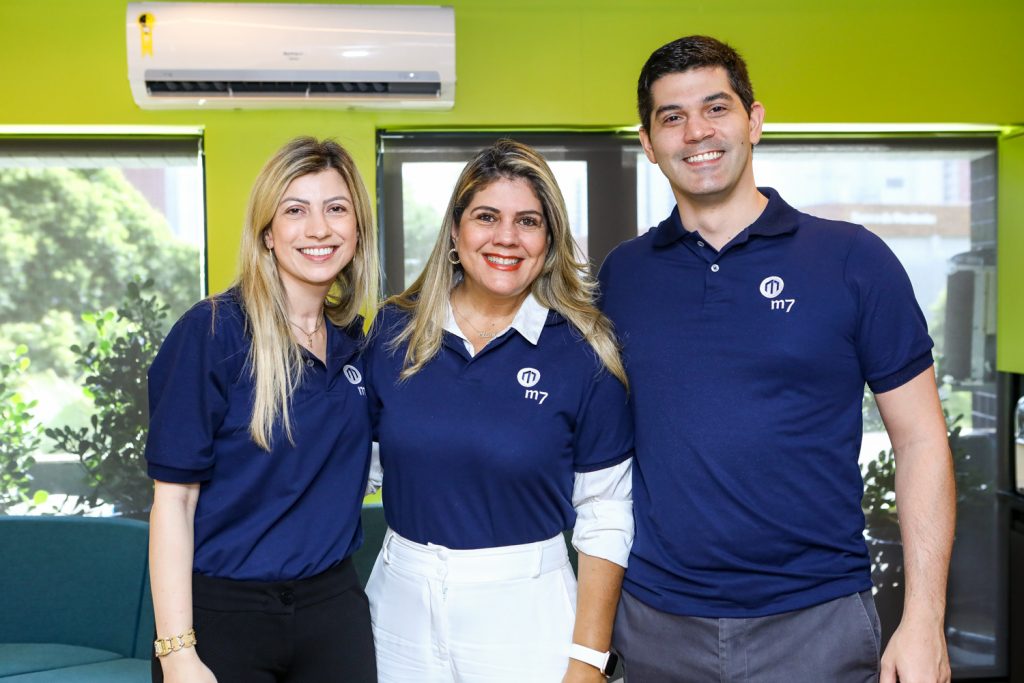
point(714, 267)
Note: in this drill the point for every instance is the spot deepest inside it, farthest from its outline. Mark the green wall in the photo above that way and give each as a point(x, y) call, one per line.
point(1010, 219)
point(566, 63)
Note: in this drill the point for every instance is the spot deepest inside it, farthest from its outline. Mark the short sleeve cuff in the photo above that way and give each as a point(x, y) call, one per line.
point(593, 467)
point(903, 375)
point(175, 475)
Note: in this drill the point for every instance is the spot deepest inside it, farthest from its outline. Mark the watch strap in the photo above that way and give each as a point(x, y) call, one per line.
point(587, 655)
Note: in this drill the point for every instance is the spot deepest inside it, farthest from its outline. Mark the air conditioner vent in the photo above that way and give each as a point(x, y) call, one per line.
point(193, 88)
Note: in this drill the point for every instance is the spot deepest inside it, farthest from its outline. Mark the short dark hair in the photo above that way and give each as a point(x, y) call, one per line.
point(683, 54)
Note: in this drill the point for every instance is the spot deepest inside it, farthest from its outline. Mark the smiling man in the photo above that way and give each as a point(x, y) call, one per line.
point(749, 330)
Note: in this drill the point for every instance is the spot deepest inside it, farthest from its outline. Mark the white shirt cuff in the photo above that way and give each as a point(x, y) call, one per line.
point(376, 477)
point(604, 512)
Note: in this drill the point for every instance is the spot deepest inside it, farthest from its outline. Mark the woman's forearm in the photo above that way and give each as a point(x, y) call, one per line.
point(600, 583)
point(170, 560)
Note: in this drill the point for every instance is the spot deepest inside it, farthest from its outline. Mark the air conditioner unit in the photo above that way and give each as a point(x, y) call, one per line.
point(191, 55)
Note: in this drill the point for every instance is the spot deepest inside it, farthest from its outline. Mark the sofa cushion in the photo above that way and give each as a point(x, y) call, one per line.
point(75, 580)
point(21, 658)
point(123, 670)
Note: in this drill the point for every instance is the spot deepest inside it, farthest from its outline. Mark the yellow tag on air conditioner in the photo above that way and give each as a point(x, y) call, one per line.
point(146, 21)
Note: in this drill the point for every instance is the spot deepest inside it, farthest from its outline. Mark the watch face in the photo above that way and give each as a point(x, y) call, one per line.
point(609, 667)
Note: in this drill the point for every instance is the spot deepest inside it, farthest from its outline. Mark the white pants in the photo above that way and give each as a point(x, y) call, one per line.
point(469, 616)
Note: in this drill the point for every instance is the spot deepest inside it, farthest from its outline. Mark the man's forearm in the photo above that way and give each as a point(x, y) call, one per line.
point(926, 501)
point(925, 495)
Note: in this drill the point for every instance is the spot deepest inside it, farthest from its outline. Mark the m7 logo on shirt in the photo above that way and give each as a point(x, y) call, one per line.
point(353, 375)
point(770, 288)
point(528, 377)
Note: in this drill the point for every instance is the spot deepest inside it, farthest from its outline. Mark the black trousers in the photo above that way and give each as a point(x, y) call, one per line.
point(314, 630)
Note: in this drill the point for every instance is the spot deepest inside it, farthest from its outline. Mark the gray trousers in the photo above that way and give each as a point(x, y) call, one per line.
point(835, 642)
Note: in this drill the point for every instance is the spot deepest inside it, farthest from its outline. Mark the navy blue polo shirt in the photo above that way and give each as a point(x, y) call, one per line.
point(747, 369)
point(481, 451)
point(286, 514)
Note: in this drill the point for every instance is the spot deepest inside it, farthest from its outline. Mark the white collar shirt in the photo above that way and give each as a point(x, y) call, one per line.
point(529, 322)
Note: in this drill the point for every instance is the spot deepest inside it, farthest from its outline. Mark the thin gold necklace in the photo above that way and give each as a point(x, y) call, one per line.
point(310, 333)
point(485, 335)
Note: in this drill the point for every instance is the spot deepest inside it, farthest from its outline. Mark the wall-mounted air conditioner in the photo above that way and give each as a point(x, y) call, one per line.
point(184, 55)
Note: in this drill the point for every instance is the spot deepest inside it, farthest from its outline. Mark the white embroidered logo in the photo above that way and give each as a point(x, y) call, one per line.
point(772, 286)
point(528, 377)
point(352, 374)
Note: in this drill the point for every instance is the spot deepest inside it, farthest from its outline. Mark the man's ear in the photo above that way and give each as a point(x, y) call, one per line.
point(756, 122)
point(645, 142)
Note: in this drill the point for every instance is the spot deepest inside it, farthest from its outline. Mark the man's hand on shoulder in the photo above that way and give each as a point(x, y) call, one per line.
point(916, 653)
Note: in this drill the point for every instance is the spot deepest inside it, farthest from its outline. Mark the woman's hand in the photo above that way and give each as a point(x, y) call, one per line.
point(578, 672)
point(184, 666)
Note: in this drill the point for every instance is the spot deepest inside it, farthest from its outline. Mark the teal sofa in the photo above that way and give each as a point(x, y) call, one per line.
point(75, 605)
point(74, 600)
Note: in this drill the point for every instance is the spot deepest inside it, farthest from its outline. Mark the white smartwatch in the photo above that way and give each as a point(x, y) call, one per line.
point(603, 661)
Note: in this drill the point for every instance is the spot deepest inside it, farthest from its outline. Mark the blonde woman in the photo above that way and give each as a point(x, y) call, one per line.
point(259, 443)
point(500, 408)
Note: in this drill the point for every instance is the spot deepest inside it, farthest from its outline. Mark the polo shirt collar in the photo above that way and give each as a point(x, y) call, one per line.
point(341, 344)
point(778, 218)
point(528, 322)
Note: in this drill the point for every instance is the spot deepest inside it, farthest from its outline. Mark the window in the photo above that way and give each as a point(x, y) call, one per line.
point(420, 171)
point(931, 199)
point(102, 251)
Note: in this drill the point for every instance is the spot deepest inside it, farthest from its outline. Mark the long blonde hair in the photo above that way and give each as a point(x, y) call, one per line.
point(564, 284)
point(275, 360)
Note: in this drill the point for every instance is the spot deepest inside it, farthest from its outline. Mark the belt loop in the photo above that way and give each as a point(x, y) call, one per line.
point(539, 569)
point(384, 546)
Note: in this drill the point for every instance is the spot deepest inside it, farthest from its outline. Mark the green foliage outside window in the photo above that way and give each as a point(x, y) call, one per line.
point(91, 277)
point(19, 434)
point(115, 365)
point(879, 502)
point(71, 240)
